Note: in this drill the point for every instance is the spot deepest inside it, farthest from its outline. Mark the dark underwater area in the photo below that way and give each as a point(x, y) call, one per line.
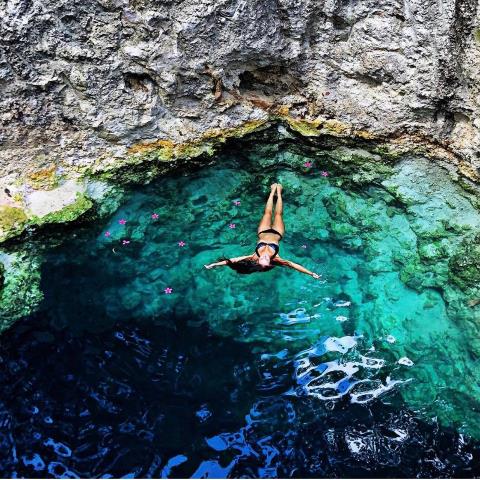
point(169, 400)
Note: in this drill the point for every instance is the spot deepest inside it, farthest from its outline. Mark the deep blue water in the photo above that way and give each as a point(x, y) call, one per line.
point(176, 401)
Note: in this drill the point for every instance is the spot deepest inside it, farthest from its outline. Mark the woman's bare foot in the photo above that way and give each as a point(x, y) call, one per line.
point(273, 187)
point(279, 188)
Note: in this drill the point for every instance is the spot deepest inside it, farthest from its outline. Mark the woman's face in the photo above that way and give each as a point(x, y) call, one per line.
point(264, 260)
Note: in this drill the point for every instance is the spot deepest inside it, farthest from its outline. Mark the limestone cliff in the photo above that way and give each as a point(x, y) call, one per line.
point(86, 80)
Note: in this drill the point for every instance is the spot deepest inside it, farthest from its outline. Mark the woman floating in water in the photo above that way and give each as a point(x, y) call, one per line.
point(266, 253)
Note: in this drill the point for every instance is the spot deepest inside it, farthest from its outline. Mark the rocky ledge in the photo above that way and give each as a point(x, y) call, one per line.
point(83, 83)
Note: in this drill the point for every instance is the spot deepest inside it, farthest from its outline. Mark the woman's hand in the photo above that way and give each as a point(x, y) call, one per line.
point(216, 264)
point(315, 275)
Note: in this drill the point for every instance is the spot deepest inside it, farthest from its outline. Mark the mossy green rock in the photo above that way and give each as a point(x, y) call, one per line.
point(465, 264)
point(2, 276)
point(67, 214)
point(12, 222)
point(358, 166)
point(21, 291)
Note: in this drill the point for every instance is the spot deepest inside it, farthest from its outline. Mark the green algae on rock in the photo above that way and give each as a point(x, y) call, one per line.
point(21, 292)
point(464, 266)
point(145, 161)
point(323, 126)
point(63, 204)
point(13, 221)
point(69, 213)
point(358, 166)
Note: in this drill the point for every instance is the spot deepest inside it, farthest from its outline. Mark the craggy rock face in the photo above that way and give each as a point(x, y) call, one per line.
point(81, 80)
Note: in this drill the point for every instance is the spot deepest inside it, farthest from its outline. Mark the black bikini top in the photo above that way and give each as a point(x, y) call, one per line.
point(273, 246)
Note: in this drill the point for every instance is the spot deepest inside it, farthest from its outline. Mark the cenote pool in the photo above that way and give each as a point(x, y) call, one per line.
point(371, 371)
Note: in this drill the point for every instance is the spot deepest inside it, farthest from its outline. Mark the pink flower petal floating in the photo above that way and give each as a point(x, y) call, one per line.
point(168, 290)
point(232, 225)
point(122, 221)
point(181, 243)
point(107, 234)
point(154, 216)
point(307, 164)
point(125, 242)
point(236, 203)
point(324, 174)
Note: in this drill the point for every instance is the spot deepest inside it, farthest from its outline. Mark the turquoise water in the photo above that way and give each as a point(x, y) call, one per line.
point(385, 340)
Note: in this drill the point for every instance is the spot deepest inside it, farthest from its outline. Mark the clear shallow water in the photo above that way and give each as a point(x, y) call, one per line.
point(266, 375)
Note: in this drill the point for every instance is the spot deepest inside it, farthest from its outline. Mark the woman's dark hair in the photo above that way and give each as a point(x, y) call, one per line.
point(246, 266)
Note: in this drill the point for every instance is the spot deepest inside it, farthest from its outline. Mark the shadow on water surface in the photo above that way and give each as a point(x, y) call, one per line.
point(273, 375)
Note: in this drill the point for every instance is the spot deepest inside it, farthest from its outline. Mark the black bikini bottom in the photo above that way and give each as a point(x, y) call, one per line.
point(271, 230)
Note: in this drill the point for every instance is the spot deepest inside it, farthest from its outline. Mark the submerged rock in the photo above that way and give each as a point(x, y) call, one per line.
point(358, 166)
point(20, 292)
point(465, 264)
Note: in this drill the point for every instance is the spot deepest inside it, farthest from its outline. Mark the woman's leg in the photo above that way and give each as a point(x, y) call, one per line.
point(266, 221)
point(278, 224)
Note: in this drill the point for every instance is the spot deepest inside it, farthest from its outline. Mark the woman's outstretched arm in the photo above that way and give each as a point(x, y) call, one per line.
point(295, 266)
point(216, 264)
point(224, 262)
